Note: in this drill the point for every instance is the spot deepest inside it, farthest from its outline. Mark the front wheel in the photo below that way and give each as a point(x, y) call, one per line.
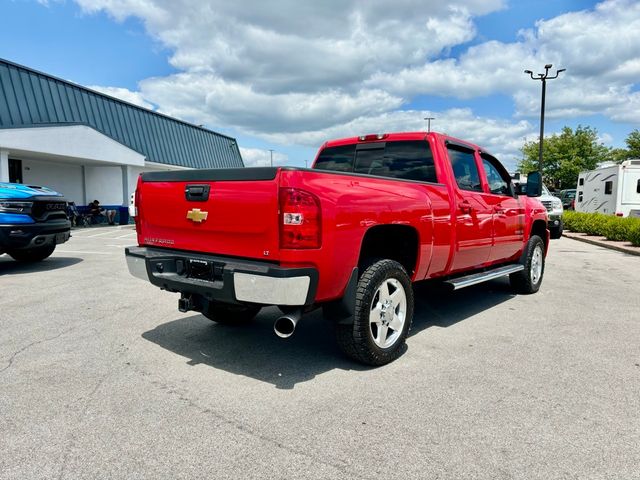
point(383, 315)
point(35, 254)
point(227, 314)
point(529, 280)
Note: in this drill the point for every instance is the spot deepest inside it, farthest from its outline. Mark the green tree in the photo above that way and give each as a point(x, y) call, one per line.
point(633, 144)
point(618, 155)
point(565, 155)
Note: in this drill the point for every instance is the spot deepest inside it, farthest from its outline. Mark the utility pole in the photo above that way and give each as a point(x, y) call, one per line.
point(543, 77)
point(271, 152)
point(428, 119)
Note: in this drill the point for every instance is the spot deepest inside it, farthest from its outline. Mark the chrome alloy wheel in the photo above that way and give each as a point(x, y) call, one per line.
point(388, 313)
point(536, 265)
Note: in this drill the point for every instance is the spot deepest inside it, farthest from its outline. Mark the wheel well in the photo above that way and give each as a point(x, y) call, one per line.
point(539, 228)
point(395, 242)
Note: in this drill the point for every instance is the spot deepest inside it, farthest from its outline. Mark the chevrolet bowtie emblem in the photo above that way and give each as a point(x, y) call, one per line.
point(196, 215)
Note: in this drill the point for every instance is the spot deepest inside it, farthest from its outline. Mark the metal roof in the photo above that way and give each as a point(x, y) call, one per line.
point(29, 98)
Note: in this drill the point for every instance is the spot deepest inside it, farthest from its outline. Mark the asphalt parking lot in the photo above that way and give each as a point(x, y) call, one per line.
point(102, 377)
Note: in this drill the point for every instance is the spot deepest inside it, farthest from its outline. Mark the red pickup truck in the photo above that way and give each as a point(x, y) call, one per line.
point(374, 214)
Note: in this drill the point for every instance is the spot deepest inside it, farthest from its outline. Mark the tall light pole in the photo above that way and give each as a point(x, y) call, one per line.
point(428, 119)
point(543, 77)
point(271, 152)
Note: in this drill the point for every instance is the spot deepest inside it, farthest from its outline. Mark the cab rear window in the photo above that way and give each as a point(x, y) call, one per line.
point(408, 160)
point(336, 159)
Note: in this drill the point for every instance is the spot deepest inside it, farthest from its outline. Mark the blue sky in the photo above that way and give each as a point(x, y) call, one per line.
point(283, 82)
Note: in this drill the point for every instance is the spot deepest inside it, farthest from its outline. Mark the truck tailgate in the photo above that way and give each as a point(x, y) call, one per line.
point(238, 216)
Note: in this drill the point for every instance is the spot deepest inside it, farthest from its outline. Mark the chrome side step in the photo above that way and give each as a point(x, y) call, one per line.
point(473, 279)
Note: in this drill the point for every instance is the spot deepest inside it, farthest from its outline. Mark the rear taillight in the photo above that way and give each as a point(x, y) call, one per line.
point(619, 214)
point(300, 219)
point(573, 204)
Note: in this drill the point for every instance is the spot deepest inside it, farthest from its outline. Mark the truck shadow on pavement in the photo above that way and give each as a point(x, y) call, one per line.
point(439, 306)
point(255, 351)
point(10, 266)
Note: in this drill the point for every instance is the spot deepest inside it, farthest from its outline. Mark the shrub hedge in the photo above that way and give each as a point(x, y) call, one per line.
point(609, 226)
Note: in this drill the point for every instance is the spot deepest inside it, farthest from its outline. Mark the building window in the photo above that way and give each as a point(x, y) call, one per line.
point(608, 188)
point(581, 182)
point(15, 170)
point(638, 186)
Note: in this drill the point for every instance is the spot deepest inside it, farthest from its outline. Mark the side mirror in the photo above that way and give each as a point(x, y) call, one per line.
point(521, 188)
point(534, 184)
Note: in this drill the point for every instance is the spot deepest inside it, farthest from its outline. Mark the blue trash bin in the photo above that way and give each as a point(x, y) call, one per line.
point(124, 215)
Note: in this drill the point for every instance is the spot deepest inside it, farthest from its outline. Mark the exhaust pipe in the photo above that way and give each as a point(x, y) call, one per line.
point(286, 324)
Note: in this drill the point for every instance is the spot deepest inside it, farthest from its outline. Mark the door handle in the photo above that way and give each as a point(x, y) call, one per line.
point(465, 207)
point(499, 210)
point(197, 193)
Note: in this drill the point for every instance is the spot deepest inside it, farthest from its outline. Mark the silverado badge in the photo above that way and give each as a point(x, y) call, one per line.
point(197, 215)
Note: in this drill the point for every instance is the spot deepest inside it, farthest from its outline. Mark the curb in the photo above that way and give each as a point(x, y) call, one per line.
point(603, 242)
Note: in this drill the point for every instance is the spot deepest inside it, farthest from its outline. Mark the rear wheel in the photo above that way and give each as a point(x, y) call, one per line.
point(383, 315)
point(529, 280)
point(35, 254)
point(227, 314)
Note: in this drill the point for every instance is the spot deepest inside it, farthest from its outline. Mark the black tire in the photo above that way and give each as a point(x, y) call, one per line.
point(227, 314)
point(35, 254)
point(556, 233)
point(526, 282)
point(357, 340)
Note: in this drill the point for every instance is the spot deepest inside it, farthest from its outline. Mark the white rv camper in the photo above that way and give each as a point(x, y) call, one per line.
point(614, 190)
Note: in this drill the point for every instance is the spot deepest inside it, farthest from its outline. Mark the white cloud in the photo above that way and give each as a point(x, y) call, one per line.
point(605, 138)
point(255, 157)
point(301, 72)
point(289, 45)
point(503, 138)
point(123, 94)
point(205, 96)
point(599, 49)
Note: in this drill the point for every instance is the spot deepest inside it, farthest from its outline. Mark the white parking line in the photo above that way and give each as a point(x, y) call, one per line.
point(84, 234)
point(79, 251)
point(101, 234)
point(127, 235)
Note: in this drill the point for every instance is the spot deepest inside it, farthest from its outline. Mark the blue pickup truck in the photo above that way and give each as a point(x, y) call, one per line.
point(33, 220)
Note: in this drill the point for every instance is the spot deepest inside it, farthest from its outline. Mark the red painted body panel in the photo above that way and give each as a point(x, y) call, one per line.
point(243, 219)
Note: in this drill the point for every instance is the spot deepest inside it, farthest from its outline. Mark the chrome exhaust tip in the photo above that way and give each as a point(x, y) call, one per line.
point(286, 324)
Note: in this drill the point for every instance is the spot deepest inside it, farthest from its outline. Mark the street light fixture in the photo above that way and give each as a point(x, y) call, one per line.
point(428, 119)
point(543, 77)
